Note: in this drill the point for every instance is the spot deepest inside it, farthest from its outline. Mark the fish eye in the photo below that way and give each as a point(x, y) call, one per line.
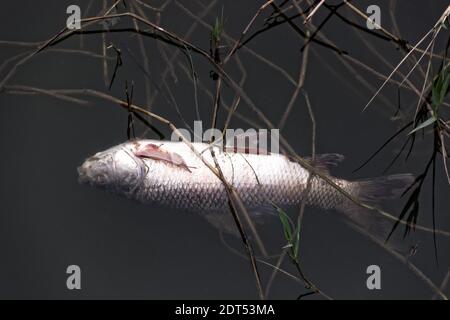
point(101, 179)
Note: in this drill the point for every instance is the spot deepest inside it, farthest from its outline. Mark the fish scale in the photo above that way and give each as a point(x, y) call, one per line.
point(258, 179)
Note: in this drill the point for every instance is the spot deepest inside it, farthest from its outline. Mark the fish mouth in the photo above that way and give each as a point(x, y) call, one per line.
point(83, 176)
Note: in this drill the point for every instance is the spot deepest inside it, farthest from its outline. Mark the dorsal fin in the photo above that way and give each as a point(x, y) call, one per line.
point(326, 161)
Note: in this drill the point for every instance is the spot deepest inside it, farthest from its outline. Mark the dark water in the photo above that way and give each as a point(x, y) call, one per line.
point(129, 250)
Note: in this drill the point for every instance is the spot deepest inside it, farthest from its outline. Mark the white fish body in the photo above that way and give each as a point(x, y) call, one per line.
point(171, 174)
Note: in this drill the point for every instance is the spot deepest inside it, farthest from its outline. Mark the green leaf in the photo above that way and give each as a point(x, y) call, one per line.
point(424, 124)
point(217, 29)
point(444, 86)
point(439, 89)
point(296, 242)
point(435, 98)
point(286, 225)
point(293, 240)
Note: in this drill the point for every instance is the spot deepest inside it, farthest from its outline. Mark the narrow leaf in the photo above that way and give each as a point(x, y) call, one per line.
point(424, 124)
point(286, 225)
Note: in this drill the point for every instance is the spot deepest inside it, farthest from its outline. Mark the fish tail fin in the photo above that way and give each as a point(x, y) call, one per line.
point(380, 188)
point(373, 191)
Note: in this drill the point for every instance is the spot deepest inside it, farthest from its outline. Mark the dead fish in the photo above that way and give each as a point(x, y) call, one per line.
point(171, 174)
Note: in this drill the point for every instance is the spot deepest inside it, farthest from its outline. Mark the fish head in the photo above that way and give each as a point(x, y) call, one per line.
point(116, 169)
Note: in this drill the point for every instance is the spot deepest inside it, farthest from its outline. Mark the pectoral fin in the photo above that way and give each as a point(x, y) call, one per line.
point(152, 151)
